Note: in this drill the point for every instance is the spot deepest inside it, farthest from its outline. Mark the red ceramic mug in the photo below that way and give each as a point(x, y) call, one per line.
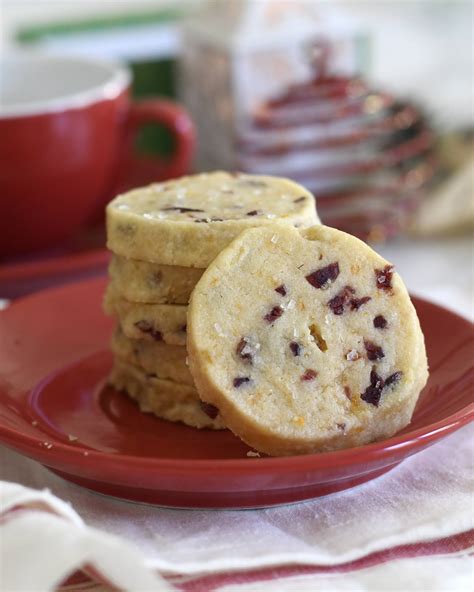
point(67, 127)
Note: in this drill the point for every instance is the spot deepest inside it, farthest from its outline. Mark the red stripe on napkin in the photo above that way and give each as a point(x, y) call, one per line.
point(80, 581)
point(448, 545)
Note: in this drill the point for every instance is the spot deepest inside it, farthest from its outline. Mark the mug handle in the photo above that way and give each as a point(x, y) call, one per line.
point(142, 169)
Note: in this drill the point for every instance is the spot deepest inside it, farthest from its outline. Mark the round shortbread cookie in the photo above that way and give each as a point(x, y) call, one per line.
point(154, 357)
point(305, 341)
point(187, 222)
point(141, 281)
point(164, 398)
point(152, 322)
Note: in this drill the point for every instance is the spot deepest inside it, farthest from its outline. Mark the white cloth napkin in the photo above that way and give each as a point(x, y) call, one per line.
point(43, 541)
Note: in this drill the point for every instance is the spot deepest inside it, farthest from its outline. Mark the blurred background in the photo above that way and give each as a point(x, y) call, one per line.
point(369, 104)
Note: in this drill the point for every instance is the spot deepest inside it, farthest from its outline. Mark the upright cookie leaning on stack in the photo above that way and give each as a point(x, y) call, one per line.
point(162, 238)
point(305, 341)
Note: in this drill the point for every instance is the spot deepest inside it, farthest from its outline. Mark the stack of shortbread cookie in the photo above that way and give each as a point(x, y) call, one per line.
point(163, 237)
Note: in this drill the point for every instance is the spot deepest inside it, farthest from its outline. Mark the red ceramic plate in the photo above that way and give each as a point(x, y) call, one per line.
point(53, 364)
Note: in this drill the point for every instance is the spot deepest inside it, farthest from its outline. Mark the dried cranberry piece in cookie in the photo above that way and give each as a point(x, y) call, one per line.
point(244, 351)
point(146, 327)
point(240, 380)
point(356, 303)
point(337, 303)
point(374, 352)
point(373, 392)
point(324, 276)
point(210, 410)
point(375, 379)
point(380, 322)
point(295, 348)
point(384, 277)
point(393, 378)
point(281, 290)
point(309, 375)
point(157, 335)
point(274, 314)
point(180, 209)
point(372, 395)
